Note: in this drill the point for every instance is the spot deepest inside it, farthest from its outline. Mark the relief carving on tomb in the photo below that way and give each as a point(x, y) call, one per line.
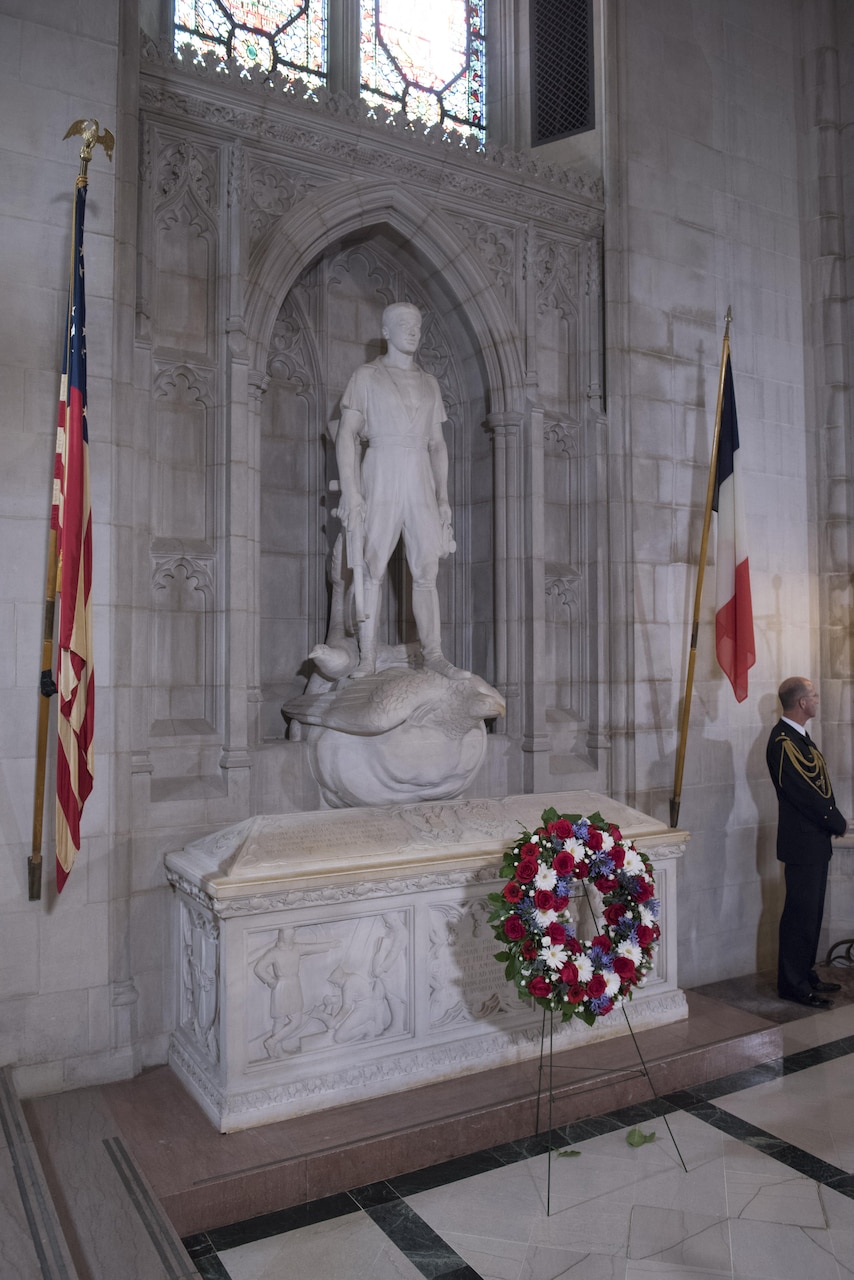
point(328, 985)
point(200, 978)
point(465, 984)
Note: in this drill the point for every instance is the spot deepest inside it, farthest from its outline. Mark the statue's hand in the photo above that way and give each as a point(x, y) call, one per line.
point(445, 514)
point(351, 514)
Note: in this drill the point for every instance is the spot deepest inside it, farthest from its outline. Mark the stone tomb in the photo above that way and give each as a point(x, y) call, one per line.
point(332, 956)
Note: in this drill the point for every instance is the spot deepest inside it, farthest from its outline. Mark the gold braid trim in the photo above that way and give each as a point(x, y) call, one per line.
point(808, 763)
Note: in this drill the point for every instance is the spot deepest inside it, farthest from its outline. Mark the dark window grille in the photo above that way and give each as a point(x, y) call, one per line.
point(562, 96)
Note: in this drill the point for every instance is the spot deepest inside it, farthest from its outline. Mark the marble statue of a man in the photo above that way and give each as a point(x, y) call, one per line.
point(401, 487)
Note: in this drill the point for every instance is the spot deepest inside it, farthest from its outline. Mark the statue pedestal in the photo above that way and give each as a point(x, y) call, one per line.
point(333, 956)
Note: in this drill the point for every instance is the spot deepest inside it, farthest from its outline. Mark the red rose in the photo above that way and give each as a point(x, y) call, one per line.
point(539, 987)
point(513, 891)
point(569, 974)
point(562, 829)
point(514, 928)
point(656, 932)
point(561, 902)
point(576, 993)
point(563, 863)
point(594, 839)
point(528, 850)
point(573, 946)
point(625, 968)
point(527, 869)
point(544, 900)
point(618, 855)
point(606, 1008)
point(605, 884)
point(614, 832)
point(529, 950)
point(557, 932)
point(596, 986)
point(601, 941)
point(582, 871)
point(613, 914)
point(643, 892)
point(645, 935)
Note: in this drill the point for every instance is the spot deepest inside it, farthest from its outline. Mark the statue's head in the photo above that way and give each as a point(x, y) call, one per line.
point(401, 327)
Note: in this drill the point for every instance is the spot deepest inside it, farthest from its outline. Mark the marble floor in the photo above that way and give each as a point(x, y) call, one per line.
point(748, 1176)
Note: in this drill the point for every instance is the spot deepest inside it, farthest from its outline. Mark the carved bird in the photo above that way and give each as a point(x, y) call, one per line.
point(397, 696)
point(88, 131)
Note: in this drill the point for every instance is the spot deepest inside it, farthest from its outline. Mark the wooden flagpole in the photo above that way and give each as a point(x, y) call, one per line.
point(88, 129)
point(676, 798)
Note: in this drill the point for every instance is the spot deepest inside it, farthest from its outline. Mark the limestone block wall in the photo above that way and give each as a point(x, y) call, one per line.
point(59, 63)
point(711, 133)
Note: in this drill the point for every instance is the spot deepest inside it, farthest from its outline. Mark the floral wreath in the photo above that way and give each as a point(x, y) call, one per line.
point(531, 918)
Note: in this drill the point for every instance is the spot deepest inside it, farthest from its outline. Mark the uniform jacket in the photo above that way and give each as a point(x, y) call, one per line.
point(808, 814)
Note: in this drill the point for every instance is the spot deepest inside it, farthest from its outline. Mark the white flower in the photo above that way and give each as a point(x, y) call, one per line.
point(544, 918)
point(554, 955)
point(584, 965)
point(612, 983)
point(575, 847)
point(631, 950)
point(634, 863)
point(607, 842)
point(647, 917)
point(546, 877)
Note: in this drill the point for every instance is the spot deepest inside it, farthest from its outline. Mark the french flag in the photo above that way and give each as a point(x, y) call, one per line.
point(734, 643)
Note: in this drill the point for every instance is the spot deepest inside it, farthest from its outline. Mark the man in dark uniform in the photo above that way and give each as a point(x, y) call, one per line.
point(807, 819)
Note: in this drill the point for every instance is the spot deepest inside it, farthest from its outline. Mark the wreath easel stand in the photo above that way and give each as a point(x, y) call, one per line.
point(550, 1067)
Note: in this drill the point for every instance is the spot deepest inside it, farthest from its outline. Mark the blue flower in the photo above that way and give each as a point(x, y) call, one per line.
point(601, 959)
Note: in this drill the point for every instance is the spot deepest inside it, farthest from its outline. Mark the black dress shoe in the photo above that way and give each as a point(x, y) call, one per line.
point(812, 1001)
point(826, 987)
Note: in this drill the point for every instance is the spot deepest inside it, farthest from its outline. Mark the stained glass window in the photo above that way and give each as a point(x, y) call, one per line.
point(267, 33)
point(426, 59)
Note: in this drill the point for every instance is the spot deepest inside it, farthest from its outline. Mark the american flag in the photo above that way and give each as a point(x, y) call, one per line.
point(71, 517)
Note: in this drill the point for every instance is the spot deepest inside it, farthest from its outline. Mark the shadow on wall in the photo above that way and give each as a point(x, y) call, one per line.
point(767, 866)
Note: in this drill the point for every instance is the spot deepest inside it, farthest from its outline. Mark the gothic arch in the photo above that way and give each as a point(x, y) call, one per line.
point(330, 214)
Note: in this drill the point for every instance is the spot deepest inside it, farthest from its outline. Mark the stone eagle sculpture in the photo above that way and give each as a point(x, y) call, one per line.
point(395, 737)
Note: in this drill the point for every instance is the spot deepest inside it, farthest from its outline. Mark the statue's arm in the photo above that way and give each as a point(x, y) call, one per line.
point(351, 504)
point(438, 452)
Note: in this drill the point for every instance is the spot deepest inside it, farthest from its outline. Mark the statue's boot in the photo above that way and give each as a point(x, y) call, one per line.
point(425, 607)
point(367, 632)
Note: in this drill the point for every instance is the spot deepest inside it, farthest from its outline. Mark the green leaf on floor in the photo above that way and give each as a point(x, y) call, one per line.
point(566, 1154)
point(637, 1137)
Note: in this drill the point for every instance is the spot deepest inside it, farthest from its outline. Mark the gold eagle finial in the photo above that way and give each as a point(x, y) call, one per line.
point(88, 131)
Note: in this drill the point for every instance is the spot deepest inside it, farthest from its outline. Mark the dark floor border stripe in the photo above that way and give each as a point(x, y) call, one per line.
point(385, 1203)
point(795, 1158)
point(276, 1223)
point(49, 1244)
point(423, 1246)
point(157, 1226)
